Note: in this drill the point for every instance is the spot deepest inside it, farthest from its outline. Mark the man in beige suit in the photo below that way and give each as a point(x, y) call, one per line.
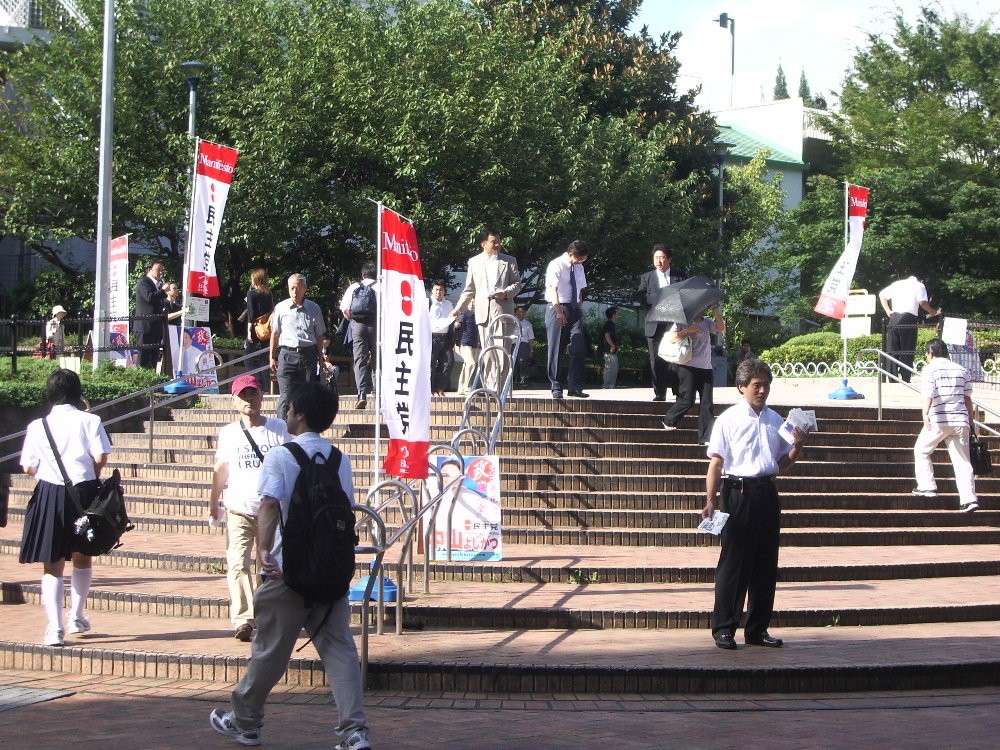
point(493, 281)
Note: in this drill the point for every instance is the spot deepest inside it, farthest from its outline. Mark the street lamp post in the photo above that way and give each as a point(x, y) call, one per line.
point(721, 151)
point(193, 69)
point(727, 21)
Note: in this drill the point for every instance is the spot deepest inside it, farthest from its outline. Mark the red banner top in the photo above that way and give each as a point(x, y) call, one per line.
point(400, 251)
point(217, 162)
point(857, 202)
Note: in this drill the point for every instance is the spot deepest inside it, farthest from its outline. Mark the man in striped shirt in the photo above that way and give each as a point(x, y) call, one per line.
point(948, 413)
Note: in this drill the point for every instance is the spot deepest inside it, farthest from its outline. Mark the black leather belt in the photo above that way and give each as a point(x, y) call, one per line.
point(741, 483)
point(299, 349)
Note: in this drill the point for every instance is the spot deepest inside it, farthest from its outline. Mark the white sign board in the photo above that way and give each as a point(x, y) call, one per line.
point(476, 532)
point(953, 331)
point(861, 304)
point(199, 308)
point(852, 328)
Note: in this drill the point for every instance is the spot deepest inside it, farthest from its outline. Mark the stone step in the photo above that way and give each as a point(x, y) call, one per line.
point(829, 659)
point(566, 563)
point(472, 605)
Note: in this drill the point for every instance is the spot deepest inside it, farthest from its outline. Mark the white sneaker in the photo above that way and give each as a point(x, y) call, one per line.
point(924, 493)
point(222, 722)
point(969, 507)
point(54, 636)
point(78, 625)
point(356, 740)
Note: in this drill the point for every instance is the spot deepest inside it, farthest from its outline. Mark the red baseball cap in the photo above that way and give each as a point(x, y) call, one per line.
point(243, 382)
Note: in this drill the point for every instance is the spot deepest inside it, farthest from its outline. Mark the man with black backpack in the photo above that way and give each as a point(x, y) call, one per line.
point(360, 306)
point(305, 549)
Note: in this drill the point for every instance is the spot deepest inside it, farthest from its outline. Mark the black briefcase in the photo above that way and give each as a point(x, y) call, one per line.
point(979, 455)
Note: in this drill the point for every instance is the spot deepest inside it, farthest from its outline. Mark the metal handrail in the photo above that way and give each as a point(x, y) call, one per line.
point(376, 573)
point(875, 367)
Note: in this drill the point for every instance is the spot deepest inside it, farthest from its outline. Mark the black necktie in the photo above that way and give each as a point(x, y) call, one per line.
point(572, 284)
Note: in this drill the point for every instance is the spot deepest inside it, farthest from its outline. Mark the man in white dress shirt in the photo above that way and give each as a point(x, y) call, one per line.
point(745, 454)
point(442, 338)
point(902, 301)
point(564, 284)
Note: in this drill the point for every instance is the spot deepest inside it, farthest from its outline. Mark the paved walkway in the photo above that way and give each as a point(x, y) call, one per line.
point(128, 714)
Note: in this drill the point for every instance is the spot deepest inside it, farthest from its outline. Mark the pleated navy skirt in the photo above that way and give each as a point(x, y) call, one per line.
point(49, 521)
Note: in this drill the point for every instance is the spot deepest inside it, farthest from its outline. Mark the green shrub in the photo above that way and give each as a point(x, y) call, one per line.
point(27, 387)
point(829, 348)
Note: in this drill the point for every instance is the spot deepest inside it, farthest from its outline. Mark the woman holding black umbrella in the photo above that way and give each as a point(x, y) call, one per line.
point(696, 375)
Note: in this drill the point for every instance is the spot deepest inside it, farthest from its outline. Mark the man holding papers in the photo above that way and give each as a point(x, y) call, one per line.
point(745, 454)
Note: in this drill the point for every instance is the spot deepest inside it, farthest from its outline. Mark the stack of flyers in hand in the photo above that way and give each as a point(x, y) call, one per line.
point(714, 524)
point(804, 420)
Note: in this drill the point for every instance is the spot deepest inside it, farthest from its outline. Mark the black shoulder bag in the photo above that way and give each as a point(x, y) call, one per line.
point(100, 527)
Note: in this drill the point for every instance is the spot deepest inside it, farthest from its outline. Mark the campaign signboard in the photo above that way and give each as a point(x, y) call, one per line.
point(476, 529)
point(191, 350)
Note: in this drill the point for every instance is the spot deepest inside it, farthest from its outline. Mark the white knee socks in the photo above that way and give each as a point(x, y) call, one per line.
point(80, 583)
point(52, 598)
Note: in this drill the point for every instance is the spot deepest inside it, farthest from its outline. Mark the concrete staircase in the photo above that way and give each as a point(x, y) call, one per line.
point(606, 583)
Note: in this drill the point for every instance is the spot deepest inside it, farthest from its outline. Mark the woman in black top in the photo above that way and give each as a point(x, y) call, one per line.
point(260, 302)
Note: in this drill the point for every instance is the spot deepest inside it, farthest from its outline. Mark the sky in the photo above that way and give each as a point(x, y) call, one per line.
point(818, 36)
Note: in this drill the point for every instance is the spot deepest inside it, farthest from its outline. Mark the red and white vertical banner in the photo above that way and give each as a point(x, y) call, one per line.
point(833, 300)
point(405, 349)
point(118, 299)
point(214, 170)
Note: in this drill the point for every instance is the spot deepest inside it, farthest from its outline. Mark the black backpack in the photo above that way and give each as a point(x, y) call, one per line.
point(99, 530)
point(364, 306)
point(317, 536)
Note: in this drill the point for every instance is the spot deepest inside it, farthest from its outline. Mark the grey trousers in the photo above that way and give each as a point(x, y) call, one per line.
point(281, 614)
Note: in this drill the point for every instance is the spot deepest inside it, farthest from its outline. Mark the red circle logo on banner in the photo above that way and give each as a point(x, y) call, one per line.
point(406, 295)
point(480, 471)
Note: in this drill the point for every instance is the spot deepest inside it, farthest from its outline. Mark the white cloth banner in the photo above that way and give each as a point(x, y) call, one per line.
point(405, 350)
point(213, 176)
point(833, 300)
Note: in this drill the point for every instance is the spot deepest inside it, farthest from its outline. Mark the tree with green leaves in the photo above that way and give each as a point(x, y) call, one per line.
point(780, 85)
point(919, 125)
point(550, 120)
point(804, 92)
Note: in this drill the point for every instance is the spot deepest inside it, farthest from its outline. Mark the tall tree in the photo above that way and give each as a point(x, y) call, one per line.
point(920, 125)
point(780, 85)
point(804, 93)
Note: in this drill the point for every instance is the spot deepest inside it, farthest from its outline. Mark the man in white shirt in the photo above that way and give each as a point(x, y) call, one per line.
point(901, 301)
point(241, 449)
point(442, 338)
point(948, 414)
point(526, 349)
point(564, 284)
point(745, 454)
point(363, 334)
point(281, 612)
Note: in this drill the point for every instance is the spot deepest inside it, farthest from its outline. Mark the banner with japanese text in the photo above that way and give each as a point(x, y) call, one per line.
point(833, 300)
point(118, 301)
point(405, 350)
point(213, 176)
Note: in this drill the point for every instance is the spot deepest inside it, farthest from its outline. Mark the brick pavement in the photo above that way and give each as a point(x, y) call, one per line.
point(123, 714)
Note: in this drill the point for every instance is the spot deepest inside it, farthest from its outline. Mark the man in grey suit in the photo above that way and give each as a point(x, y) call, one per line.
point(493, 281)
point(664, 374)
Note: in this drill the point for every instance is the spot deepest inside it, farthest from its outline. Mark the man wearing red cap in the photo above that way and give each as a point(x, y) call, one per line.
point(238, 458)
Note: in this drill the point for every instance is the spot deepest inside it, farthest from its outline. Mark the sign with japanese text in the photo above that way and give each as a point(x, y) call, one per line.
point(191, 351)
point(118, 299)
point(476, 530)
point(213, 176)
point(405, 350)
point(833, 300)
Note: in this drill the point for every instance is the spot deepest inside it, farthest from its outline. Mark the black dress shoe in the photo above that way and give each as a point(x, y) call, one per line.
point(727, 642)
point(556, 394)
point(578, 394)
point(659, 398)
point(764, 640)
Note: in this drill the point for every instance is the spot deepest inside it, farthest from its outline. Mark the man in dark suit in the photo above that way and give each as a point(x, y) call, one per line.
point(664, 374)
point(149, 297)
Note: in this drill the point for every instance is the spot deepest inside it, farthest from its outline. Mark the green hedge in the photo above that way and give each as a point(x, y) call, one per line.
point(27, 387)
point(829, 348)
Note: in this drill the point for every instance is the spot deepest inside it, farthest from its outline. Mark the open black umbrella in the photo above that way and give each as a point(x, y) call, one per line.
point(682, 302)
